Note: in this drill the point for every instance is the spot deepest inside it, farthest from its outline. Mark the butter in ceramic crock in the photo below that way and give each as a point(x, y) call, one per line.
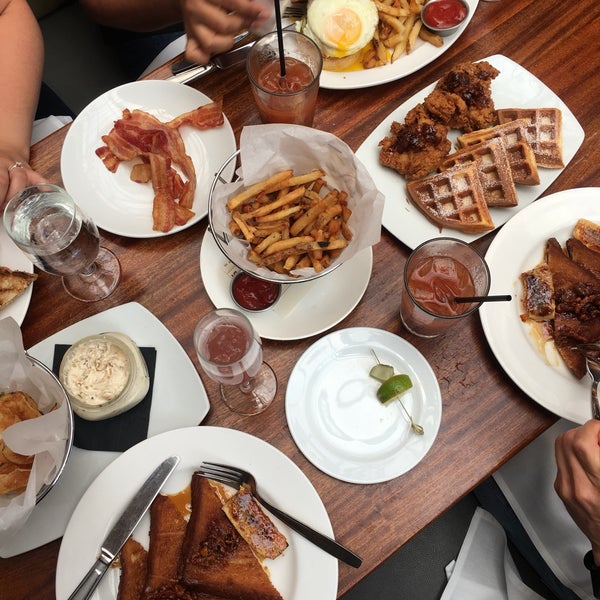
point(104, 375)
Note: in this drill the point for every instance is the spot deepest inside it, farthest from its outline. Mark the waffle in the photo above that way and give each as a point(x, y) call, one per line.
point(453, 198)
point(544, 132)
point(514, 137)
point(494, 171)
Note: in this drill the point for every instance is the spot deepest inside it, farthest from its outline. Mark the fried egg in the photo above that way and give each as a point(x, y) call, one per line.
point(341, 27)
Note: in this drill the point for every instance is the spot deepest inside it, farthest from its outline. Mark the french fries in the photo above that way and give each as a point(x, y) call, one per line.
point(291, 221)
point(397, 31)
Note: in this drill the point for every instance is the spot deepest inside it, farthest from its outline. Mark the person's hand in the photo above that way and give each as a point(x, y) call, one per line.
point(211, 25)
point(14, 176)
point(578, 479)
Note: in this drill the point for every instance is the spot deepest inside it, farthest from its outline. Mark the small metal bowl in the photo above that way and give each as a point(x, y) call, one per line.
point(70, 428)
point(451, 14)
point(274, 290)
point(224, 239)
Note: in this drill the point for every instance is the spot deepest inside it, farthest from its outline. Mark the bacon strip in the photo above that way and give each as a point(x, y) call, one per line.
point(140, 135)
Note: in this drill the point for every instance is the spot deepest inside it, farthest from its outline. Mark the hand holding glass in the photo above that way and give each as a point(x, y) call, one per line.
point(230, 353)
point(47, 225)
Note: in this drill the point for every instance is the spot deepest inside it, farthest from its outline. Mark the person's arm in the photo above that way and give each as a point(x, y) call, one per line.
point(209, 24)
point(578, 485)
point(21, 64)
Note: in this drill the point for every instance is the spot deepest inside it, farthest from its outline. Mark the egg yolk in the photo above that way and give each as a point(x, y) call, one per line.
point(343, 28)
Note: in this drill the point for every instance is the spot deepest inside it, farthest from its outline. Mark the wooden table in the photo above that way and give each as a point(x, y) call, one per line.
point(486, 418)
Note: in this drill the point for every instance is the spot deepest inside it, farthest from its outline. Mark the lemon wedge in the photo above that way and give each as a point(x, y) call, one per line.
point(393, 387)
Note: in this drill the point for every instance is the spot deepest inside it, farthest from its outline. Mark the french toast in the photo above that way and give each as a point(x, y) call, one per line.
point(133, 559)
point(588, 233)
point(494, 171)
point(544, 132)
point(583, 256)
point(13, 284)
point(167, 532)
point(577, 313)
point(215, 559)
point(520, 154)
point(453, 198)
point(538, 294)
point(254, 525)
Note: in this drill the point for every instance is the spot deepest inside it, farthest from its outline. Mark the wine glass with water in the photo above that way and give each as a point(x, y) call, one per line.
point(230, 353)
point(48, 226)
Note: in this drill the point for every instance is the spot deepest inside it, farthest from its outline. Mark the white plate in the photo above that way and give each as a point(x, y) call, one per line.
point(302, 571)
point(334, 415)
point(178, 400)
point(112, 200)
point(422, 54)
point(513, 87)
point(13, 258)
point(518, 247)
point(304, 309)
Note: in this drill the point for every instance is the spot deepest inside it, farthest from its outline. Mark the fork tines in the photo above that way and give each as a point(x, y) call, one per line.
point(296, 10)
point(221, 473)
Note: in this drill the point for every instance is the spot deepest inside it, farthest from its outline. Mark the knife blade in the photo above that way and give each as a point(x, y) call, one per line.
point(225, 60)
point(123, 528)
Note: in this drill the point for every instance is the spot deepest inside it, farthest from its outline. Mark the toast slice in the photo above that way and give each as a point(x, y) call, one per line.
point(13, 284)
point(577, 296)
point(544, 132)
point(167, 532)
point(520, 154)
point(453, 198)
point(215, 558)
point(588, 233)
point(538, 294)
point(494, 170)
point(133, 559)
point(583, 256)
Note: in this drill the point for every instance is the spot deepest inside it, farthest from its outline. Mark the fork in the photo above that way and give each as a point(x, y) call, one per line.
point(296, 10)
point(592, 361)
point(236, 477)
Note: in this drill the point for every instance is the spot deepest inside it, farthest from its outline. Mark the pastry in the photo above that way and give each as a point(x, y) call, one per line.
point(453, 198)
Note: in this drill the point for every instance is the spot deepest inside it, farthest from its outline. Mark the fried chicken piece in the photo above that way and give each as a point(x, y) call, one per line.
point(417, 147)
point(447, 108)
point(471, 82)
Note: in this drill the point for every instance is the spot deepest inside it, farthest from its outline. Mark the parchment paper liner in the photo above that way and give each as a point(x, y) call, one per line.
point(46, 437)
point(268, 149)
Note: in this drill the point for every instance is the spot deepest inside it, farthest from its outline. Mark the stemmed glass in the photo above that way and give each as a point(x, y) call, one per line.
point(230, 353)
point(48, 226)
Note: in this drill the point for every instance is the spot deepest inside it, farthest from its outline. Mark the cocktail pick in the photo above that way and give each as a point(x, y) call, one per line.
point(279, 37)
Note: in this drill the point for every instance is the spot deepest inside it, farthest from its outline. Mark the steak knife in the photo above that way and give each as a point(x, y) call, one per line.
point(123, 528)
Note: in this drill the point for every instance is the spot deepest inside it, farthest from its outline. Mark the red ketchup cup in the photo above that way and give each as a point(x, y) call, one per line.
point(254, 294)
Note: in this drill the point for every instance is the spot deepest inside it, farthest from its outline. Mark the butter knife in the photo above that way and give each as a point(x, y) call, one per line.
point(225, 60)
point(123, 528)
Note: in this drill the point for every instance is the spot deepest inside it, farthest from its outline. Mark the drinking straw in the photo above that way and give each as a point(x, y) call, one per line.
point(501, 298)
point(279, 37)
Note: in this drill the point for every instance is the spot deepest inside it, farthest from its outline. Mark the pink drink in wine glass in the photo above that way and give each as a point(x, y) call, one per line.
point(230, 353)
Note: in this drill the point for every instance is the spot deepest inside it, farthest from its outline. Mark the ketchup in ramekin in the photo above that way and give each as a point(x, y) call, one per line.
point(252, 293)
point(444, 16)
